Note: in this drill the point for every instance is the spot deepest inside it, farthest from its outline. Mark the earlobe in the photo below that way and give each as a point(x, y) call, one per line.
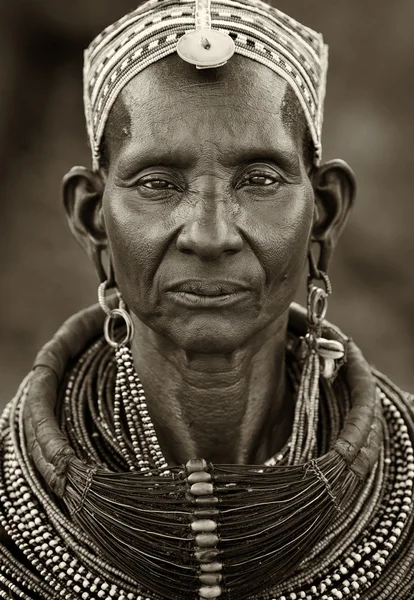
point(82, 192)
point(335, 189)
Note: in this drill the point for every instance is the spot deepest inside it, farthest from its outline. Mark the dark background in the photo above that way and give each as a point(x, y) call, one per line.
point(369, 122)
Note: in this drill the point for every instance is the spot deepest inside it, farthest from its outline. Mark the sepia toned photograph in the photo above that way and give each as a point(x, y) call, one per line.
point(207, 319)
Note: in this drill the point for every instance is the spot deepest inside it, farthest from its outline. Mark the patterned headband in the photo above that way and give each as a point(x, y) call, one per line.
point(206, 35)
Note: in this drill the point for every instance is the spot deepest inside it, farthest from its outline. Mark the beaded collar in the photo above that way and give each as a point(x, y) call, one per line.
point(362, 522)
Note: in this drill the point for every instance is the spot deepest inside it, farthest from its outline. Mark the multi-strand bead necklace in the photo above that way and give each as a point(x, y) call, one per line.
point(200, 530)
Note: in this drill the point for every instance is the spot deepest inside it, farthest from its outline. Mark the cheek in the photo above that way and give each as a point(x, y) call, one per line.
point(138, 238)
point(286, 227)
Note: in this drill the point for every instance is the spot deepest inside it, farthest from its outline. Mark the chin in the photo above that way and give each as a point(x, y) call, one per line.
point(210, 335)
point(208, 345)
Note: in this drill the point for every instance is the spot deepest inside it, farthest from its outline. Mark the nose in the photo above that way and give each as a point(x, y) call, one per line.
point(210, 231)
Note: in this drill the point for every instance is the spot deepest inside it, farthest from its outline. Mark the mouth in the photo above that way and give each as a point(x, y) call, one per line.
point(201, 287)
point(208, 293)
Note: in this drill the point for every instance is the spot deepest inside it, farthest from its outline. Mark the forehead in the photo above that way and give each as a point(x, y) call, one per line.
point(171, 101)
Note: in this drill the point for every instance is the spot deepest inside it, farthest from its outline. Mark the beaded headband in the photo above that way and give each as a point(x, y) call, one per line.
point(206, 35)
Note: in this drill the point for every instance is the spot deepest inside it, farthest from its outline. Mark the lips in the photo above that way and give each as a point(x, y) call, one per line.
point(203, 294)
point(208, 288)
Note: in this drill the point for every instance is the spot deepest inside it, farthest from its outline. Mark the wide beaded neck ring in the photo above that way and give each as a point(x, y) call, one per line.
point(205, 33)
point(205, 47)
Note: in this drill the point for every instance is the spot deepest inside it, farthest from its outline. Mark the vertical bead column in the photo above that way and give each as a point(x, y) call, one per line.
point(204, 528)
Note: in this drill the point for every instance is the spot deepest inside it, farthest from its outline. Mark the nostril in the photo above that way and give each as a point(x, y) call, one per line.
point(209, 238)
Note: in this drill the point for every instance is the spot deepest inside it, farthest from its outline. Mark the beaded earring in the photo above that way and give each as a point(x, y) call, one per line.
point(142, 450)
point(321, 357)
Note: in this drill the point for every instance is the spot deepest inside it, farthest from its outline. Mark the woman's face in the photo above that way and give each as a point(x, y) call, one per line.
point(207, 205)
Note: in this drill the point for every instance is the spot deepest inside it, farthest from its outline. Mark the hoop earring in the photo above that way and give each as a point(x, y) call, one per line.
point(115, 313)
point(320, 357)
point(129, 398)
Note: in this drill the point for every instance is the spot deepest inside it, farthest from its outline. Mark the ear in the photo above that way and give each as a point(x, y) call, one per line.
point(335, 189)
point(82, 192)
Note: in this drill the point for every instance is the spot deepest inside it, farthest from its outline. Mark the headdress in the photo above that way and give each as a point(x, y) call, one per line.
point(248, 27)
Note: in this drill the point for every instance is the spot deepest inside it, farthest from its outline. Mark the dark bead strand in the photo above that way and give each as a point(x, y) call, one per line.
point(15, 532)
point(403, 422)
point(69, 427)
point(110, 458)
point(73, 544)
point(349, 577)
point(83, 415)
point(106, 401)
point(77, 405)
point(356, 583)
point(92, 392)
point(407, 586)
point(23, 575)
point(324, 435)
point(328, 551)
point(330, 435)
point(73, 401)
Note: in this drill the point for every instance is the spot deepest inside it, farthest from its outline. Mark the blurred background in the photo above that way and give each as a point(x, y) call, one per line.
point(369, 121)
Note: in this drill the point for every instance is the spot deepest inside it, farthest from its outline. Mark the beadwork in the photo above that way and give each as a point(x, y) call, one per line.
point(152, 31)
point(354, 558)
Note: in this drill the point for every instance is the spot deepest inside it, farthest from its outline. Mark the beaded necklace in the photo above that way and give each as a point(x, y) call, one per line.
point(361, 529)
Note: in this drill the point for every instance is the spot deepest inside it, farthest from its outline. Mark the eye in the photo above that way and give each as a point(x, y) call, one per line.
point(157, 184)
point(259, 179)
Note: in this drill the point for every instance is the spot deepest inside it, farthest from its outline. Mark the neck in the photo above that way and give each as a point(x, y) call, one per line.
point(226, 408)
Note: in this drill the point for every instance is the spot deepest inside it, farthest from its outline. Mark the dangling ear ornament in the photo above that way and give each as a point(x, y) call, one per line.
point(319, 357)
point(204, 47)
point(331, 352)
point(112, 314)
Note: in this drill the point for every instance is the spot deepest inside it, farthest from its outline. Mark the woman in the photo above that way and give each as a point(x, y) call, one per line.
point(265, 458)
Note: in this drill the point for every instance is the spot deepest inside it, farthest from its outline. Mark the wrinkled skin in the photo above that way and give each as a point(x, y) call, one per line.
point(205, 181)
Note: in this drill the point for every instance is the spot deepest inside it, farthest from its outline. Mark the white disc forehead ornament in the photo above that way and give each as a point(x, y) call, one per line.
point(206, 48)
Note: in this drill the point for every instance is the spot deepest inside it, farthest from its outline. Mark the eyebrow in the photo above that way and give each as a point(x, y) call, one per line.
point(286, 159)
point(185, 158)
point(136, 161)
